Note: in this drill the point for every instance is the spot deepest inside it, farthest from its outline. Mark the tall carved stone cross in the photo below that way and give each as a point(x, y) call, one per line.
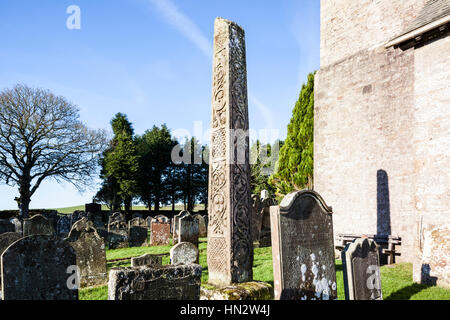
point(230, 248)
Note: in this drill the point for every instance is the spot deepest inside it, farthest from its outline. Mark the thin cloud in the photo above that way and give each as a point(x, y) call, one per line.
point(192, 32)
point(183, 24)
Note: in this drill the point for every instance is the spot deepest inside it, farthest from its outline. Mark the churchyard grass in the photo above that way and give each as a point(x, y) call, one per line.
point(396, 279)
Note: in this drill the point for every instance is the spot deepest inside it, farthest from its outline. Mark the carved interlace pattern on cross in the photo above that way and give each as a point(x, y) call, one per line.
point(240, 170)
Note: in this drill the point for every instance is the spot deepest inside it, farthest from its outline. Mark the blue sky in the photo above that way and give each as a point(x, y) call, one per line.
point(151, 59)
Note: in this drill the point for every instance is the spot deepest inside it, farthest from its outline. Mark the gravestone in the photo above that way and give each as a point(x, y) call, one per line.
point(302, 248)
point(63, 226)
point(138, 236)
point(184, 253)
point(175, 227)
point(202, 232)
point(6, 239)
point(256, 217)
point(17, 225)
point(90, 253)
point(188, 229)
point(230, 247)
point(148, 260)
point(180, 282)
point(117, 232)
point(138, 232)
point(39, 267)
point(37, 224)
point(78, 215)
point(137, 222)
point(265, 239)
point(6, 226)
point(116, 216)
point(160, 231)
point(361, 269)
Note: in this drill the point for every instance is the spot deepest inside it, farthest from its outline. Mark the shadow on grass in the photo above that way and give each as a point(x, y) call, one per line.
point(407, 292)
point(339, 267)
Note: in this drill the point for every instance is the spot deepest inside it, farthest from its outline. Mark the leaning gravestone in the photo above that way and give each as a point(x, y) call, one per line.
point(302, 248)
point(37, 224)
point(181, 282)
point(6, 226)
point(39, 267)
point(184, 253)
point(90, 251)
point(202, 231)
point(148, 260)
point(361, 268)
point(188, 229)
point(160, 231)
point(63, 226)
point(175, 227)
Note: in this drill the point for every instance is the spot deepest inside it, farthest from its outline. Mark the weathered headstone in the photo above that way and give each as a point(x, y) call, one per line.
point(175, 227)
point(256, 217)
point(361, 268)
point(137, 222)
point(188, 229)
point(138, 232)
point(6, 239)
point(17, 225)
point(180, 282)
point(37, 224)
point(78, 215)
point(265, 233)
point(160, 231)
point(230, 247)
point(6, 226)
point(63, 226)
point(302, 248)
point(202, 232)
point(39, 267)
point(90, 252)
point(138, 236)
point(148, 260)
point(117, 232)
point(184, 253)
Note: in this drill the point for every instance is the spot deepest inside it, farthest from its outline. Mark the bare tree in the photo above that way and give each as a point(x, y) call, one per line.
point(41, 137)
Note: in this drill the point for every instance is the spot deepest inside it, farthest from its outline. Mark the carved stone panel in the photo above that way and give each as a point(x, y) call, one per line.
point(230, 248)
point(302, 248)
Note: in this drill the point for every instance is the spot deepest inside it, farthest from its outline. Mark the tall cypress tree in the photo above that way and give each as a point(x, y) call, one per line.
point(294, 169)
point(120, 163)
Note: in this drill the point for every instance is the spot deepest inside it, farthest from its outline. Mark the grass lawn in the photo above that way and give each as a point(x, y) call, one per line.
point(396, 279)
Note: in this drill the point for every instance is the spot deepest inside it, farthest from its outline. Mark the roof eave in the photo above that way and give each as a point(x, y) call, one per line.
point(419, 31)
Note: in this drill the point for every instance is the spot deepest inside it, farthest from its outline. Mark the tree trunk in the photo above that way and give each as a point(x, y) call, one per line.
point(25, 196)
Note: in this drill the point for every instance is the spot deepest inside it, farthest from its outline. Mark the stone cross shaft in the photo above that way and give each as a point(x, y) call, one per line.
point(230, 248)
